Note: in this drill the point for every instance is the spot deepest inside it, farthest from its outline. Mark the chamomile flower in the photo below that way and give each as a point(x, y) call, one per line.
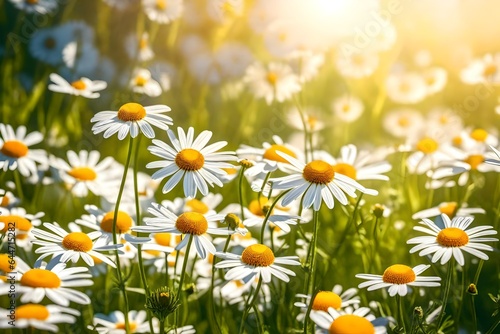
point(357, 64)
point(256, 260)
point(482, 70)
point(114, 323)
point(43, 317)
point(348, 321)
point(406, 87)
point(143, 83)
point(83, 172)
point(347, 108)
point(312, 117)
point(428, 153)
point(81, 87)
point(316, 181)
point(15, 152)
point(403, 123)
point(139, 48)
point(23, 223)
point(398, 278)
point(220, 10)
point(435, 79)
point(54, 281)
point(35, 7)
point(163, 11)
point(451, 240)
point(450, 209)
point(190, 159)
point(131, 117)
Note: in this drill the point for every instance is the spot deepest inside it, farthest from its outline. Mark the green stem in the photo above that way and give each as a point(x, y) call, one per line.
point(446, 294)
point(250, 305)
point(311, 263)
point(401, 314)
point(184, 266)
point(19, 185)
point(478, 271)
point(262, 188)
point(268, 214)
point(162, 326)
point(492, 329)
point(474, 317)
point(240, 192)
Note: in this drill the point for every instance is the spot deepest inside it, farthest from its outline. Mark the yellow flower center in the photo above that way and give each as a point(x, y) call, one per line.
point(427, 145)
point(452, 237)
point(489, 70)
point(189, 159)
point(83, 173)
point(448, 208)
point(77, 241)
point(312, 121)
point(163, 239)
point(79, 84)
point(49, 43)
point(270, 153)
point(258, 255)
point(143, 43)
point(32, 311)
point(404, 87)
point(351, 324)
point(161, 4)
point(14, 149)
point(399, 274)
point(5, 201)
point(345, 169)
point(40, 278)
point(132, 326)
point(443, 119)
point(228, 8)
point(192, 223)
point(140, 81)
point(403, 121)
point(479, 135)
point(123, 222)
point(318, 171)
point(256, 206)
point(131, 112)
point(271, 78)
point(346, 108)
point(5, 266)
point(20, 223)
point(457, 141)
point(474, 160)
point(197, 206)
point(326, 299)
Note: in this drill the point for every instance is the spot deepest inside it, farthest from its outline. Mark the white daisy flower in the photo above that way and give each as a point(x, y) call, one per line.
point(435, 79)
point(450, 209)
point(54, 281)
point(306, 64)
point(23, 223)
point(131, 117)
point(428, 153)
point(357, 64)
point(163, 11)
point(192, 159)
point(143, 83)
point(81, 87)
point(476, 140)
point(43, 317)
point(192, 225)
point(74, 245)
point(204, 206)
point(482, 70)
point(403, 123)
point(347, 108)
point(406, 87)
point(348, 321)
point(452, 239)
point(15, 152)
point(120, 4)
point(114, 323)
point(7, 199)
point(313, 119)
point(274, 82)
point(316, 181)
point(139, 48)
point(398, 278)
point(36, 6)
point(220, 10)
point(256, 260)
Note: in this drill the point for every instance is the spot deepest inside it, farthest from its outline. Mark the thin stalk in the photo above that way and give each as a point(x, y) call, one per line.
point(268, 214)
point(184, 266)
point(401, 314)
point(474, 317)
point(263, 185)
point(249, 305)
point(492, 329)
point(478, 271)
point(311, 262)
point(446, 294)
point(240, 192)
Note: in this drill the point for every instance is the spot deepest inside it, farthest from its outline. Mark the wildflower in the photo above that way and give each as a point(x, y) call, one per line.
point(142, 83)
point(43, 317)
point(357, 64)
point(406, 87)
point(83, 86)
point(23, 223)
point(131, 117)
point(347, 108)
point(163, 11)
point(452, 239)
point(397, 278)
point(450, 209)
point(36, 7)
point(403, 123)
point(162, 302)
point(190, 159)
point(348, 321)
point(482, 70)
point(114, 323)
point(139, 48)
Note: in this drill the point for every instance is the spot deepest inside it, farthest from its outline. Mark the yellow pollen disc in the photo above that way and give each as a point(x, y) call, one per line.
point(271, 78)
point(132, 326)
point(5, 266)
point(479, 135)
point(399, 274)
point(79, 84)
point(270, 153)
point(256, 206)
point(161, 4)
point(143, 43)
point(20, 223)
point(49, 43)
point(192, 223)
point(430, 80)
point(140, 81)
point(77, 241)
point(489, 70)
point(404, 87)
point(5, 201)
point(474, 160)
point(427, 145)
point(318, 171)
point(189, 159)
point(258, 255)
point(448, 208)
point(351, 324)
point(14, 149)
point(32, 311)
point(443, 119)
point(123, 222)
point(346, 108)
point(163, 239)
point(83, 173)
point(403, 121)
point(40, 278)
point(358, 60)
point(345, 169)
point(197, 206)
point(131, 112)
point(312, 121)
point(326, 299)
point(457, 141)
point(282, 37)
point(452, 237)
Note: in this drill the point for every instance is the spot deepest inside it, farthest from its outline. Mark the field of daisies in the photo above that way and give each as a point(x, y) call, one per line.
point(249, 166)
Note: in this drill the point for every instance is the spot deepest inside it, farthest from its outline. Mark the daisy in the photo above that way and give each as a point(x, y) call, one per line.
point(482, 70)
point(204, 206)
point(428, 153)
point(15, 152)
point(43, 317)
point(84, 172)
point(347, 108)
point(306, 64)
point(435, 79)
point(7, 199)
point(256, 260)
point(313, 119)
point(348, 321)
point(403, 123)
point(131, 117)
point(232, 59)
point(357, 64)
point(23, 223)
point(81, 87)
point(397, 278)
point(36, 7)
point(452, 239)
point(142, 83)
point(450, 209)
point(274, 82)
point(192, 159)
point(194, 226)
point(220, 10)
point(406, 87)
point(54, 281)
point(74, 245)
point(163, 11)
point(139, 49)
point(114, 323)
point(315, 181)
